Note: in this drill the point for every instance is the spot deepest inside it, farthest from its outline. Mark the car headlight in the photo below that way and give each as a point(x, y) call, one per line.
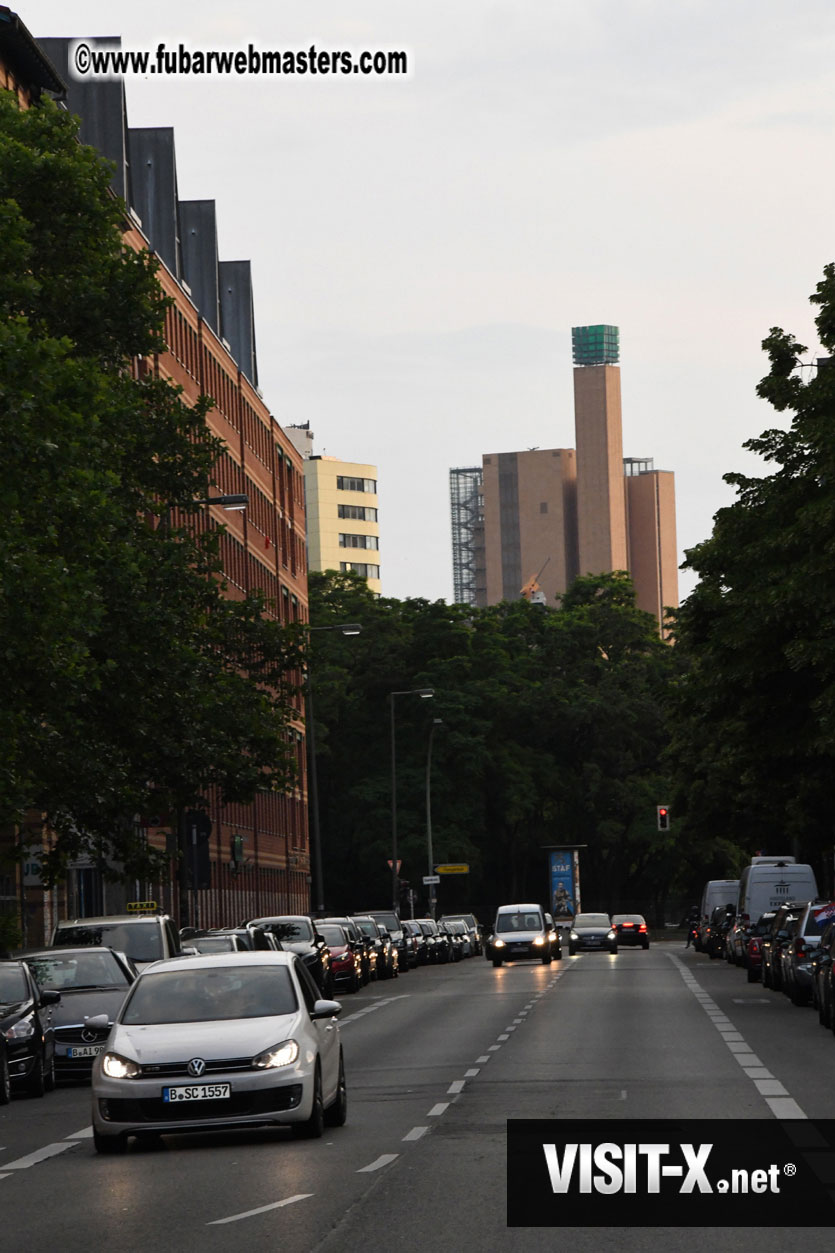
point(498, 944)
point(23, 1029)
point(283, 1054)
point(611, 936)
point(539, 940)
point(573, 935)
point(116, 1067)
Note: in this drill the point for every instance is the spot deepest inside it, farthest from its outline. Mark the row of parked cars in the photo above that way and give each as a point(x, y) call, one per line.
point(789, 949)
point(58, 1004)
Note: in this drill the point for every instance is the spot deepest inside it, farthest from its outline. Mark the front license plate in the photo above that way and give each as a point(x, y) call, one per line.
point(86, 1050)
point(198, 1092)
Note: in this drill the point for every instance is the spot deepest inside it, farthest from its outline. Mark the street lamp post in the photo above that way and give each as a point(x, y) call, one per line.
point(436, 722)
point(425, 693)
point(346, 628)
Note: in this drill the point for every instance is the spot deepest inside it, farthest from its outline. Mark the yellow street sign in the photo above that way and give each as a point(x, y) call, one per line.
point(463, 869)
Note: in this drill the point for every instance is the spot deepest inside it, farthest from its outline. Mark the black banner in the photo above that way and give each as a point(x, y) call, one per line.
point(670, 1173)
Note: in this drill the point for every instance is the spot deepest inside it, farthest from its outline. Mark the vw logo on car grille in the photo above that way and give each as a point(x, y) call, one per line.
point(89, 1036)
point(196, 1067)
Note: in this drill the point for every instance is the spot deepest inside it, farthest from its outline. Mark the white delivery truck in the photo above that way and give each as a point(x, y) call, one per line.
point(718, 892)
point(768, 882)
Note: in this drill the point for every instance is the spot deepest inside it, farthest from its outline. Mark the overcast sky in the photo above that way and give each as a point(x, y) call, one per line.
point(422, 246)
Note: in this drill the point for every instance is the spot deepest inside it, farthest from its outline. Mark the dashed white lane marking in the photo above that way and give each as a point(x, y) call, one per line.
point(482, 1060)
point(778, 1100)
point(416, 1133)
point(86, 1133)
point(437, 1110)
point(378, 1164)
point(455, 1088)
point(40, 1155)
point(471, 1074)
point(502, 1037)
point(262, 1209)
point(371, 1007)
point(494, 1048)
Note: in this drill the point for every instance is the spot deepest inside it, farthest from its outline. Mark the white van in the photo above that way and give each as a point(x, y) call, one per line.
point(766, 885)
point(718, 892)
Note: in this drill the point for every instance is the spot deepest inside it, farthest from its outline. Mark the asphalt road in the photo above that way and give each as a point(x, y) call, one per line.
point(437, 1061)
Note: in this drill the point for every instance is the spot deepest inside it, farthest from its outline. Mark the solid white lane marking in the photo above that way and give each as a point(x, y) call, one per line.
point(5, 1176)
point(455, 1088)
point(86, 1133)
point(784, 1107)
point(378, 1164)
point(262, 1209)
point(471, 1074)
point(416, 1133)
point(437, 1110)
point(40, 1155)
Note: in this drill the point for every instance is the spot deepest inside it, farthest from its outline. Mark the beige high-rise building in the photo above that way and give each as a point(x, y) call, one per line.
point(343, 531)
point(529, 521)
point(551, 514)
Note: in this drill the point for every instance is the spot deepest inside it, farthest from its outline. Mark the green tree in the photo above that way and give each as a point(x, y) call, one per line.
point(131, 684)
point(755, 744)
point(553, 731)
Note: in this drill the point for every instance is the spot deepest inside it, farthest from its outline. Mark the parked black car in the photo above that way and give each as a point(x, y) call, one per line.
point(824, 994)
point(797, 954)
point(387, 956)
point(90, 981)
point(297, 934)
point(419, 947)
point(389, 921)
point(783, 927)
point(26, 1028)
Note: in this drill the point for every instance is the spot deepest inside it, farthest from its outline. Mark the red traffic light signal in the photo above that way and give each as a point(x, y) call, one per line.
point(663, 819)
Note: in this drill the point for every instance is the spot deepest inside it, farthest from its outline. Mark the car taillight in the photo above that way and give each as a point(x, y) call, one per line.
point(754, 946)
point(627, 924)
point(643, 927)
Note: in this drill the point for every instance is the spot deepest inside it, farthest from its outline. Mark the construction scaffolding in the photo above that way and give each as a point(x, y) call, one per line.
point(466, 485)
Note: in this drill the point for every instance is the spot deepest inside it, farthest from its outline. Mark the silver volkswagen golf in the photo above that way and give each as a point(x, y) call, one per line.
point(214, 1042)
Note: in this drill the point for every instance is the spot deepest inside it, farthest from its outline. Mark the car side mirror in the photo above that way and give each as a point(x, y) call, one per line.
point(98, 1021)
point(326, 1009)
point(49, 996)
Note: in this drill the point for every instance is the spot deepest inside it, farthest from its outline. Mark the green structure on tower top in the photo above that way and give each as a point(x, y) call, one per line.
point(595, 345)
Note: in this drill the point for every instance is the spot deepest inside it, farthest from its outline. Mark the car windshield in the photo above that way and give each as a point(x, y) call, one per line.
point(592, 920)
point(212, 943)
point(12, 985)
point(389, 922)
point(519, 921)
point(216, 994)
point(298, 929)
point(142, 941)
point(333, 936)
point(80, 970)
point(367, 927)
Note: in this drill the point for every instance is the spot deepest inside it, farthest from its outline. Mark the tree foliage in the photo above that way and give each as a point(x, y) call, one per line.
point(130, 683)
point(552, 731)
point(755, 745)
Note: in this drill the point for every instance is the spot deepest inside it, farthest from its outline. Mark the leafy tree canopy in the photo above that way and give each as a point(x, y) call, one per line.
point(130, 683)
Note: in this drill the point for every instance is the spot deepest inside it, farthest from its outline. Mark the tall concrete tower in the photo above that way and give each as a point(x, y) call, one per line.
point(601, 509)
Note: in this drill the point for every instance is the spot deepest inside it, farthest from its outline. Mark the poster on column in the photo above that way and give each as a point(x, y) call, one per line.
point(564, 884)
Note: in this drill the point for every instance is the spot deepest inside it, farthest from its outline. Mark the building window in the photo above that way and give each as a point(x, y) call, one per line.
point(346, 484)
point(361, 513)
point(358, 541)
point(367, 572)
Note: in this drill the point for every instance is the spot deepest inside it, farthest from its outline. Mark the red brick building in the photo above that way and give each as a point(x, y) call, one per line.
point(210, 337)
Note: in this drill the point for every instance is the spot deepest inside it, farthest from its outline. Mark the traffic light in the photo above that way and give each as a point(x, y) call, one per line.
point(663, 817)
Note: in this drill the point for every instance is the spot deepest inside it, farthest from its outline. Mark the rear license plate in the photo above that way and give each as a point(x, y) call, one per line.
point(86, 1050)
point(198, 1092)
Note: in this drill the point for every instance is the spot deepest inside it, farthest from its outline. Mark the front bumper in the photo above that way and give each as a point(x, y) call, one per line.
point(123, 1107)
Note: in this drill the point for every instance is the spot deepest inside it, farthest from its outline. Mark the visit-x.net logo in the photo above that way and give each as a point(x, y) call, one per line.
point(648, 1173)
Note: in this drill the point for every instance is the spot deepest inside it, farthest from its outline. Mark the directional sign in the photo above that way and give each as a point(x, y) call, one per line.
point(463, 869)
point(431, 878)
